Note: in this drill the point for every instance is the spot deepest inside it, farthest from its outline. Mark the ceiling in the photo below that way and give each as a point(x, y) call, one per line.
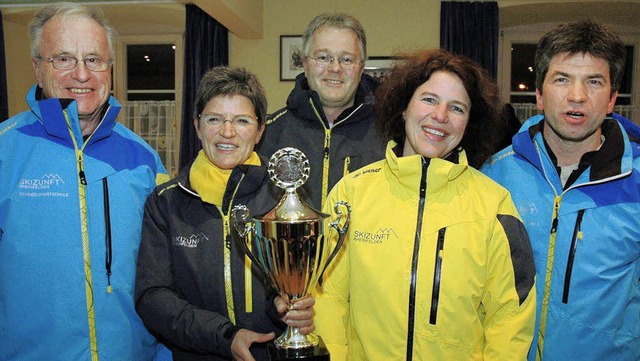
point(623, 13)
point(168, 15)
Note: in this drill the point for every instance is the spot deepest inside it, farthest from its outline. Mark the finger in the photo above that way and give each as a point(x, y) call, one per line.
point(303, 303)
point(281, 306)
point(299, 322)
point(299, 315)
point(307, 330)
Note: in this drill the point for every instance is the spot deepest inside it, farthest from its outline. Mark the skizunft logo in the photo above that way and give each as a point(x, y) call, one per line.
point(189, 242)
point(45, 182)
point(379, 236)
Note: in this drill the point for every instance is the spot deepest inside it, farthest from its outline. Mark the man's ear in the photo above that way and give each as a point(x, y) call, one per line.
point(539, 101)
point(35, 65)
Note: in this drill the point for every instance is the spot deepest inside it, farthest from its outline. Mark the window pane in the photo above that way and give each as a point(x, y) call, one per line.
point(151, 72)
point(624, 94)
point(523, 76)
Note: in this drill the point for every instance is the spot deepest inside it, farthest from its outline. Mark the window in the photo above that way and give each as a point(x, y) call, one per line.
point(148, 84)
point(151, 74)
point(517, 74)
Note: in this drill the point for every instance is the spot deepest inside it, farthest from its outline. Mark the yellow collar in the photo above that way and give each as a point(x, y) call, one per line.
point(210, 181)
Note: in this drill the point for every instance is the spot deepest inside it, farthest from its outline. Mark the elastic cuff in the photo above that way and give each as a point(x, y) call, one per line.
point(230, 332)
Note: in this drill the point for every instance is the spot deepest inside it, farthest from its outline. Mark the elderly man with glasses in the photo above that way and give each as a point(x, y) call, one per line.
point(73, 183)
point(329, 113)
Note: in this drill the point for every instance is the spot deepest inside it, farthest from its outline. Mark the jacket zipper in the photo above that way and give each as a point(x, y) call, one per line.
point(228, 282)
point(414, 261)
point(435, 294)
point(326, 151)
point(544, 309)
point(107, 226)
point(577, 234)
point(325, 166)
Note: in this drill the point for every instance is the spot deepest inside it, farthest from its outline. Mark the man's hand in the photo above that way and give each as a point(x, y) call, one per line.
point(243, 340)
point(299, 315)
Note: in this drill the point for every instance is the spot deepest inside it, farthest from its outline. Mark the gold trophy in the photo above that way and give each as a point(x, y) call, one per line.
point(289, 246)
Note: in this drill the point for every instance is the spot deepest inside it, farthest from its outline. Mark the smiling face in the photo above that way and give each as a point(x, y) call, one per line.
point(575, 98)
point(78, 38)
point(436, 117)
point(335, 85)
point(228, 143)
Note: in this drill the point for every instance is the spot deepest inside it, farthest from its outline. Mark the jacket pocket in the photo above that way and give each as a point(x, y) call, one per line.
point(437, 273)
point(577, 234)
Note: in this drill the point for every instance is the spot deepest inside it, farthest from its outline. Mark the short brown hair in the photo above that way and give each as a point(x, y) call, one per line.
point(228, 80)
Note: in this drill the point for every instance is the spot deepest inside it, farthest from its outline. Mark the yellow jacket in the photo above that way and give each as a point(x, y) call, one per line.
point(445, 273)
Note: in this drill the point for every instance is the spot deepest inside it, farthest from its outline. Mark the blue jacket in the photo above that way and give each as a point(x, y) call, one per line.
point(585, 240)
point(59, 197)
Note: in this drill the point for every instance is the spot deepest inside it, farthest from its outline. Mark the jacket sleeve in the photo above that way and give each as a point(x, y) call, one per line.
point(332, 307)
point(174, 320)
point(510, 299)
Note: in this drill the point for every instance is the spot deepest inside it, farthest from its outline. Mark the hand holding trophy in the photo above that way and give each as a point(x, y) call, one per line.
point(289, 246)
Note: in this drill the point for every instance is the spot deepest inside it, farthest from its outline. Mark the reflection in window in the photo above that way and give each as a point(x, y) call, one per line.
point(151, 72)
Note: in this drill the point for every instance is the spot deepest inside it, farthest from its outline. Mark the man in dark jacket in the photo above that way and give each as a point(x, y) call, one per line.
point(329, 113)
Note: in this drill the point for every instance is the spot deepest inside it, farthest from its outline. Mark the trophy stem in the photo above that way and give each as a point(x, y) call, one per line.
point(293, 339)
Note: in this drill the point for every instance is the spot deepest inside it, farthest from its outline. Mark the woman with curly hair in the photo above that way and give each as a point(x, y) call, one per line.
point(436, 264)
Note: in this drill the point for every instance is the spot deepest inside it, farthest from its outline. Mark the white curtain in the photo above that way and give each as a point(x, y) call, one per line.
point(154, 121)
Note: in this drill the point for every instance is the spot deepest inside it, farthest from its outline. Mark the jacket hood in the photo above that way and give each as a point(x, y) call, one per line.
point(408, 170)
point(529, 140)
point(305, 101)
point(51, 113)
point(253, 177)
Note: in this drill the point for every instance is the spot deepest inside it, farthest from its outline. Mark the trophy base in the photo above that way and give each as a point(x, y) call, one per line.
point(316, 353)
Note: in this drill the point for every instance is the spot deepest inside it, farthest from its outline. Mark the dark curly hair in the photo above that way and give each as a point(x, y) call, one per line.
point(414, 69)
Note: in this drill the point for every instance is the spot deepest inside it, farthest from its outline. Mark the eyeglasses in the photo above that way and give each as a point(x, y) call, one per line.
point(217, 120)
point(346, 62)
point(64, 62)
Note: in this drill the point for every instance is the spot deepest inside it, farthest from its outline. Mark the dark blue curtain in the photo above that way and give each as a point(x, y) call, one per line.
point(471, 29)
point(206, 45)
point(4, 103)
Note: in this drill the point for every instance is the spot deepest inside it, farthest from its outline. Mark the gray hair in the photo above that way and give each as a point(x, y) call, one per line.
point(336, 21)
point(64, 11)
point(228, 80)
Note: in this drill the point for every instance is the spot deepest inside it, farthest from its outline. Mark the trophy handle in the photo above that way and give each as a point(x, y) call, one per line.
point(240, 216)
point(342, 232)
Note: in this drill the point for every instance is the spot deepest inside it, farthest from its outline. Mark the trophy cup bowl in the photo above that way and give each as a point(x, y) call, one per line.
point(288, 244)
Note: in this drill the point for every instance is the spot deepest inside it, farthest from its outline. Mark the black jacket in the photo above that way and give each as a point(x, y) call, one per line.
point(180, 284)
point(350, 144)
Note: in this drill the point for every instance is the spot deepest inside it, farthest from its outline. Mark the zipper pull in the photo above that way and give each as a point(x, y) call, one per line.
point(83, 179)
point(554, 225)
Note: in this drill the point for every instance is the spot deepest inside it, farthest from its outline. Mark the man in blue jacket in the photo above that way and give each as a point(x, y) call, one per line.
point(574, 173)
point(73, 183)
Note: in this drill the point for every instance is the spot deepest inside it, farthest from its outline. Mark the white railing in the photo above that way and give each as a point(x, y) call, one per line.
point(154, 121)
point(526, 110)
